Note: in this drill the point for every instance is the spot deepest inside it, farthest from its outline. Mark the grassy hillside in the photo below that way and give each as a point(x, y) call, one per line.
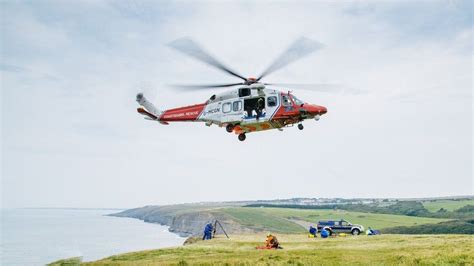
point(277, 219)
point(460, 208)
point(449, 205)
point(450, 227)
point(298, 250)
point(263, 219)
point(189, 219)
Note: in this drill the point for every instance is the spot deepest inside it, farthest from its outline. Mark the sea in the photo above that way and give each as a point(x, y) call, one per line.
point(41, 236)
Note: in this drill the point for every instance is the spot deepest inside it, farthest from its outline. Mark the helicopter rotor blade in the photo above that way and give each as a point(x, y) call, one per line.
point(191, 48)
point(204, 86)
point(321, 87)
point(307, 86)
point(297, 50)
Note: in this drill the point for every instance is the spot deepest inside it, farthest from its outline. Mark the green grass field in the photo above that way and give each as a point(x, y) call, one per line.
point(301, 250)
point(262, 219)
point(278, 219)
point(449, 205)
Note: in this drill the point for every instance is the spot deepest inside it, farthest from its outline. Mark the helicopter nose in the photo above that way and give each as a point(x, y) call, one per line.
point(322, 110)
point(317, 109)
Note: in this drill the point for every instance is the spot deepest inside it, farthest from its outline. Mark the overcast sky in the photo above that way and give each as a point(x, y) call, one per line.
point(71, 136)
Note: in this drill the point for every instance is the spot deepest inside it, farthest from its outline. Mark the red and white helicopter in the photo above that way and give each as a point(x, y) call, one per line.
point(249, 108)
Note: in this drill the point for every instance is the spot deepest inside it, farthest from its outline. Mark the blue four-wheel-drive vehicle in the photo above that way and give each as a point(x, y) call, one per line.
point(340, 226)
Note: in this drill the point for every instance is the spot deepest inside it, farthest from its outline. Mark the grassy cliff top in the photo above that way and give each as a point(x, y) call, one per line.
point(299, 249)
point(449, 205)
point(286, 220)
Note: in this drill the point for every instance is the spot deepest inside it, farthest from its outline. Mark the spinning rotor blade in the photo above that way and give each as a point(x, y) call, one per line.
point(189, 47)
point(322, 87)
point(195, 87)
point(300, 48)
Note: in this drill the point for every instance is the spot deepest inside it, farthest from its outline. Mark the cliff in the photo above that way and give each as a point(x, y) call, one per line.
point(187, 219)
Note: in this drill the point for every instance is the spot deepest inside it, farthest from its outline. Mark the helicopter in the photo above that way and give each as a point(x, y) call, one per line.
point(251, 107)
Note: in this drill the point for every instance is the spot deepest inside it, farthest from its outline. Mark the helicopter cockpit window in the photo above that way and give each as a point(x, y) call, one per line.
point(244, 92)
point(226, 107)
point(237, 106)
point(272, 101)
point(286, 101)
point(297, 101)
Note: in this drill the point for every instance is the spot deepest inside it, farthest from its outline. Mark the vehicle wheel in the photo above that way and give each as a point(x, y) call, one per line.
point(300, 126)
point(229, 128)
point(242, 136)
point(355, 232)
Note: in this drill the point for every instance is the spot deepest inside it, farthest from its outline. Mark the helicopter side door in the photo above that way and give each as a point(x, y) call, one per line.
point(272, 104)
point(287, 112)
point(289, 108)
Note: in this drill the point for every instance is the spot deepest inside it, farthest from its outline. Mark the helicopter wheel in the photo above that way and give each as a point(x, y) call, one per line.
point(242, 136)
point(300, 126)
point(229, 128)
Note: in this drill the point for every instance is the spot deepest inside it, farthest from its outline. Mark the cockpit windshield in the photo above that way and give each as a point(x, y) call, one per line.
point(297, 101)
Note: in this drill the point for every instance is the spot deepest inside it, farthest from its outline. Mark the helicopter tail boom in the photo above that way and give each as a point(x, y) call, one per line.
point(183, 114)
point(180, 114)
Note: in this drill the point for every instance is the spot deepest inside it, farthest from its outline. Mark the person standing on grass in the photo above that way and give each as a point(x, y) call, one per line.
point(207, 232)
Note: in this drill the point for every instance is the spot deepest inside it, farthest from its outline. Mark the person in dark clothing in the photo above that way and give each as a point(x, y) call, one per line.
point(249, 111)
point(259, 107)
point(208, 232)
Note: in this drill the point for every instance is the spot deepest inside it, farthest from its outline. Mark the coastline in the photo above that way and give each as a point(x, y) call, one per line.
point(188, 220)
point(66, 233)
point(157, 221)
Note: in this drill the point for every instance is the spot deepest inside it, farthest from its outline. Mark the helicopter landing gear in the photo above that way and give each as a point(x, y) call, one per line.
point(229, 128)
point(242, 136)
point(300, 126)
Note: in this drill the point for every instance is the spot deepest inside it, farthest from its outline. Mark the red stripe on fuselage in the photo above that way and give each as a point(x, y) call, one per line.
point(187, 113)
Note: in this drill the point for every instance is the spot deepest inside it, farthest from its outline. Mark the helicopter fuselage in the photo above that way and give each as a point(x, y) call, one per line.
point(247, 109)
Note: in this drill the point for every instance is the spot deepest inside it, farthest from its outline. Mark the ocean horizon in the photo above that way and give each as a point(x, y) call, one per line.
point(36, 236)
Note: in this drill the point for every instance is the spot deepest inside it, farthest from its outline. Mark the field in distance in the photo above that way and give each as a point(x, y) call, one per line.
point(299, 249)
point(291, 220)
point(449, 205)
